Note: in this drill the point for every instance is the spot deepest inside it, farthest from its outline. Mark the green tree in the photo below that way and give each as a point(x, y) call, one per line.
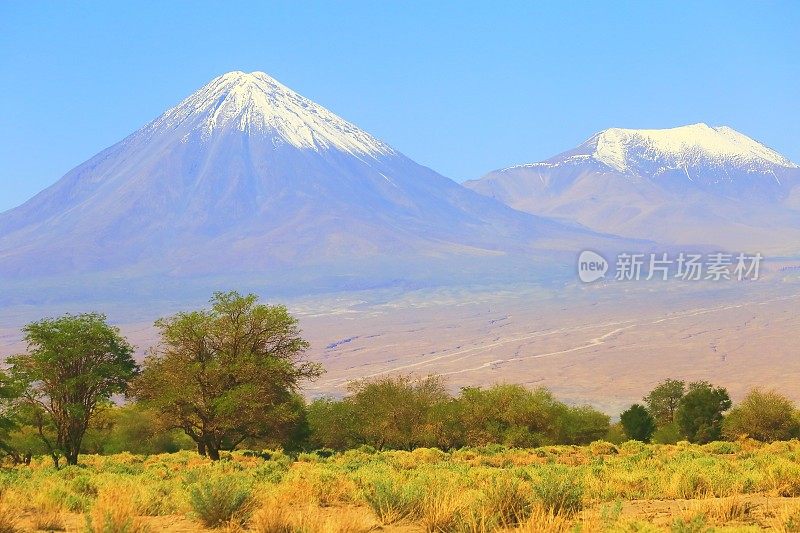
point(662, 402)
point(763, 415)
point(669, 434)
point(445, 428)
point(616, 434)
point(289, 431)
point(580, 424)
point(74, 363)
point(393, 412)
point(509, 414)
point(226, 374)
point(332, 424)
point(639, 424)
point(8, 423)
point(700, 412)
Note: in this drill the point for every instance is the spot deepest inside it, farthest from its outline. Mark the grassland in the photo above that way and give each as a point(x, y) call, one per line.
point(724, 486)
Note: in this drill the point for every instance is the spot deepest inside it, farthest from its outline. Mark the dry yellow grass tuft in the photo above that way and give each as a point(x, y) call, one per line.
point(279, 516)
point(48, 516)
point(9, 520)
point(113, 512)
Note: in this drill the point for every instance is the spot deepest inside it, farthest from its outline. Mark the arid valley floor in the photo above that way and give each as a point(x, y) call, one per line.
point(604, 344)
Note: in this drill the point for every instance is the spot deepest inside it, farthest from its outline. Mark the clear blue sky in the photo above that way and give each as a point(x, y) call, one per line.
point(461, 87)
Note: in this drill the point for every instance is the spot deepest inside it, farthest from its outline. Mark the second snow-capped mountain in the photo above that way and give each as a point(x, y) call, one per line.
point(688, 185)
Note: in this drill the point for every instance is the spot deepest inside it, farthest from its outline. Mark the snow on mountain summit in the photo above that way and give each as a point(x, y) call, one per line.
point(257, 104)
point(648, 151)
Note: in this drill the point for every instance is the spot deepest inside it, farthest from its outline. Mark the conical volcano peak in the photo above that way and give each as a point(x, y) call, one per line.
point(258, 105)
point(245, 176)
point(242, 82)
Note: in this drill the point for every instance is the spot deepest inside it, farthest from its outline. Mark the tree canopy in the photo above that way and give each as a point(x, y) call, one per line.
point(73, 363)
point(763, 415)
point(226, 374)
point(639, 424)
point(700, 412)
point(662, 402)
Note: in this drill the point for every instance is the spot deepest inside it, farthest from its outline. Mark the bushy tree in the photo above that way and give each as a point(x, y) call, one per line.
point(509, 414)
point(74, 363)
point(700, 412)
point(226, 374)
point(8, 423)
point(616, 434)
point(445, 426)
point(580, 424)
point(639, 424)
point(396, 412)
point(662, 402)
point(332, 424)
point(401, 412)
point(763, 415)
point(393, 412)
point(669, 434)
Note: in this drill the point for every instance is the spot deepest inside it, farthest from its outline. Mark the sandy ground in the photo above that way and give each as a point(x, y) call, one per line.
point(605, 344)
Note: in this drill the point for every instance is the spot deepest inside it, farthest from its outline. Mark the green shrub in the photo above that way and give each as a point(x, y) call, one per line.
point(721, 447)
point(124, 469)
point(158, 500)
point(692, 482)
point(272, 471)
point(559, 493)
point(506, 500)
point(601, 447)
point(696, 524)
point(392, 501)
point(84, 486)
point(667, 434)
point(263, 454)
point(221, 500)
point(74, 503)
point(304, 457)
point(492, 449)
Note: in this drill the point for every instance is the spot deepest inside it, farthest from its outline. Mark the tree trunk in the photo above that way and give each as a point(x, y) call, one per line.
point(201, 448)
point(213, 453)
point(72, 457)
point(55, 459)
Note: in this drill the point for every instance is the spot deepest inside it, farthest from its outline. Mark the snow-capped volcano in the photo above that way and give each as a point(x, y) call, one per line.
point(259, 105)
point(247, 176)
point(691, 184)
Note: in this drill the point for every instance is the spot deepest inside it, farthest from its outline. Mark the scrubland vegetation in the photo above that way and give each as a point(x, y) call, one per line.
point(742, 486)
point(214, 433)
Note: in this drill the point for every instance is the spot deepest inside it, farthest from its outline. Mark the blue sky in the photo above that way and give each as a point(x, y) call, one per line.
point(461, 87)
